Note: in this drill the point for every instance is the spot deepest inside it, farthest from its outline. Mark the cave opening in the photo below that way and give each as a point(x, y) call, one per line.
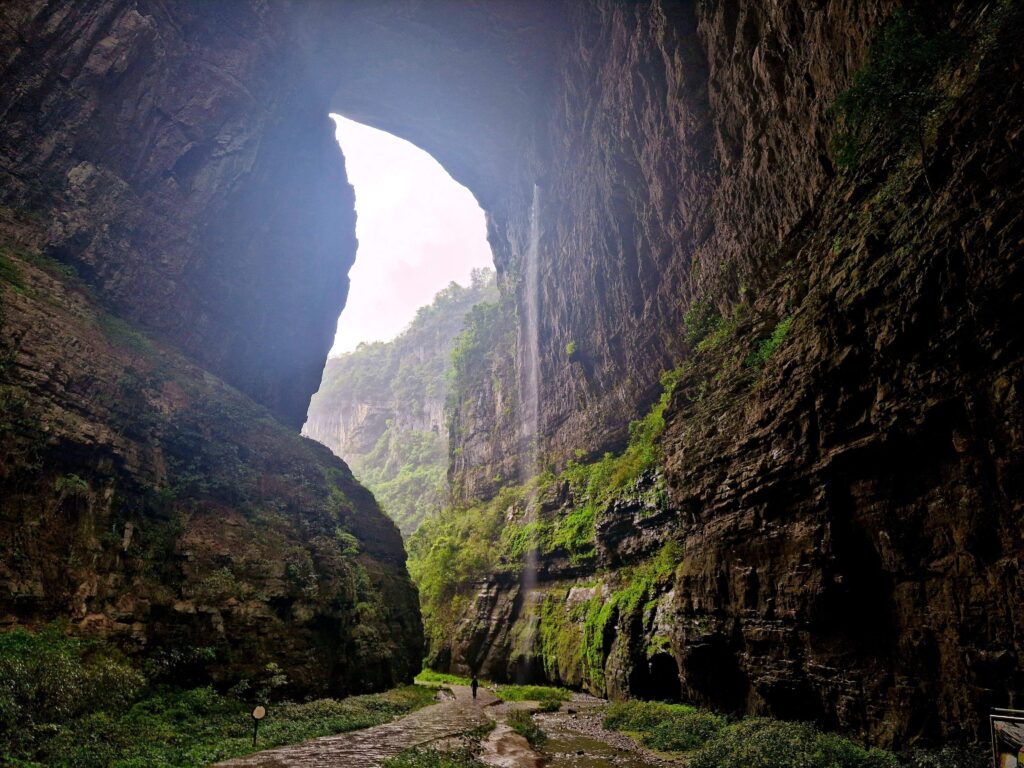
point(418, 230)
point(657, 680)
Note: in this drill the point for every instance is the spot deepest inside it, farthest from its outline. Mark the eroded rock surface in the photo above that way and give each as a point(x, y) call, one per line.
point(843, 506)
point(149, 503)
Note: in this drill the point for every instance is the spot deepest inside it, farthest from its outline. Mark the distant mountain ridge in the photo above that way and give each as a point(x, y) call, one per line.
point(381, 407)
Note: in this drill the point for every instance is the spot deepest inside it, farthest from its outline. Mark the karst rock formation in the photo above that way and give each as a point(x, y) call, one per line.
point(845, 516)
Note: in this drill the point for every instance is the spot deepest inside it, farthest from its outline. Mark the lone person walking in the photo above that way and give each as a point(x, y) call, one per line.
point(474, 684)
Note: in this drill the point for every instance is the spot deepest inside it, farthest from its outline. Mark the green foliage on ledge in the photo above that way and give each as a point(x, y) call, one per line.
point(457, 547)
point(894, 91)
point(641, 585)
point(767, 348)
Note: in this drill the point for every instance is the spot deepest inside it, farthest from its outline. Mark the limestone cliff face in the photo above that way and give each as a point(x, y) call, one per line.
point(834, 528)
point(841, 502)
point(176, 228)
point(151, 504)
point(186, 178)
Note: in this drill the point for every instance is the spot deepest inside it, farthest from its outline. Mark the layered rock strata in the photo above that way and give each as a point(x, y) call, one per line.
point(841, 460)
point(149, 503)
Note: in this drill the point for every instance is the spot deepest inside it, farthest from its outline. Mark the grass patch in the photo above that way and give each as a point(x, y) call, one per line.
point(710, 741)
point(430, 677)
point(549, 698)
point(67, 701)
point(764, 743)
point(523, 723)
point(642, 716)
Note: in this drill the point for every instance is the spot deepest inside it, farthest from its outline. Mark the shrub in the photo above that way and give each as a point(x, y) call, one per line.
point(71, 701)
point(764, 743)
point(523, 723)
point(51, 677)
point(684, 732)
point(643, 716)
point(893, 92)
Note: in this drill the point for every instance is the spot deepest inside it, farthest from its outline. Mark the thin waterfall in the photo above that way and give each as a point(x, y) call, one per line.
point(530, 405)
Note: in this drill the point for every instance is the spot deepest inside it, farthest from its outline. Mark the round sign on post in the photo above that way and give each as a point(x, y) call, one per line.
point(257, 714)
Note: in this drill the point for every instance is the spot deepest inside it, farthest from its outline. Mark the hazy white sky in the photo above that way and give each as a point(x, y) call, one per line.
point(418, 230)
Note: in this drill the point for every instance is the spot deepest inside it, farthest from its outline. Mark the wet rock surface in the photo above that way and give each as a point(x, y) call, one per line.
point(845, 510)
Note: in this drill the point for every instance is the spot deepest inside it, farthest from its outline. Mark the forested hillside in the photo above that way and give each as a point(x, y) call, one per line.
point(381, 407)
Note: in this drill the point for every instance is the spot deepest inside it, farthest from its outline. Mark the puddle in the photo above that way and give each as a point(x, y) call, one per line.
point(577, 739)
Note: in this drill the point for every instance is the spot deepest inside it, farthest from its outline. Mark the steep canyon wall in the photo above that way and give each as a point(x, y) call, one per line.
point(830, 530)
point(827, 521)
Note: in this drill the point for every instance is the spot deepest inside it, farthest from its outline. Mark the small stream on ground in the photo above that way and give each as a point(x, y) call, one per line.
point(577, 739)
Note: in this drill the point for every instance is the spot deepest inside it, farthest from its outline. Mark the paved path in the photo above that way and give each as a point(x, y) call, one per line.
point(369, 747)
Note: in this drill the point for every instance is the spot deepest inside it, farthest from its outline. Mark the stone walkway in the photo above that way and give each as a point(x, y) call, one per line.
point(368, 748)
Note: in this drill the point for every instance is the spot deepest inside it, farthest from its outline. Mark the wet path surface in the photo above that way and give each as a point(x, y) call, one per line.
point(577, 739)
point(370, 747)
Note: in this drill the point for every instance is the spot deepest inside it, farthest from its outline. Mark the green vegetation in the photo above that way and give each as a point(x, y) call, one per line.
point(570, 350)
point(641, 586)
point(701, 320)
point(453, 549)
point(549, 698)
point(642, 716)
point(11, 274)
point(705, 329)
point(665, 727)
point(767, 348)
point(71, 485)
point(407, 472)
point(763, 743)
point(124, 335)
point(430, 677)
point(712, 742)
point(406, 468)
point(522, 723)
point(894, 92)
point(68, 701)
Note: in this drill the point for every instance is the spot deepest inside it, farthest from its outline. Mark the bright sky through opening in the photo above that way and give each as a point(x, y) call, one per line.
point(418, 230)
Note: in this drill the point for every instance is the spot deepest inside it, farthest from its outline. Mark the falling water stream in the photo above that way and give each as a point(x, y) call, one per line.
point(530, 415)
